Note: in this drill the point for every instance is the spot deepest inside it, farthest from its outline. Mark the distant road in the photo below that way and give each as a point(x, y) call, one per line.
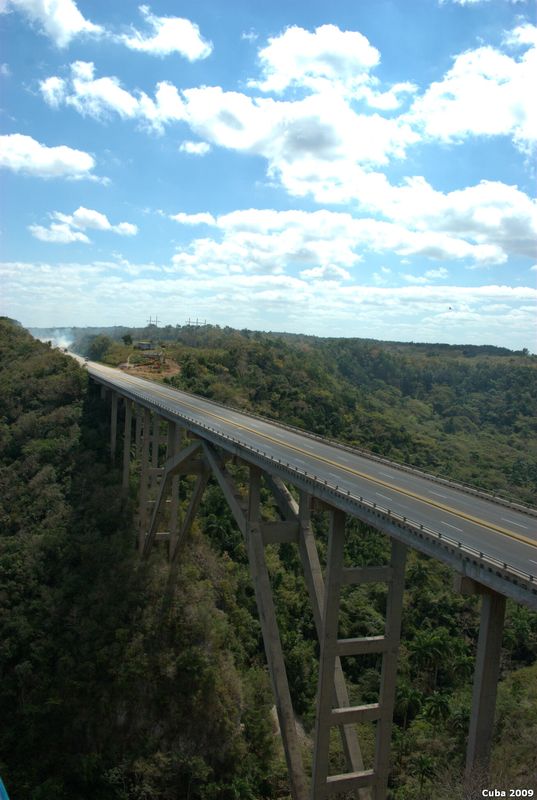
point(507, 532)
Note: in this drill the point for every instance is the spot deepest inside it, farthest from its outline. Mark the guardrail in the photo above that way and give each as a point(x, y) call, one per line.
point(468, 488)
point(486, 560)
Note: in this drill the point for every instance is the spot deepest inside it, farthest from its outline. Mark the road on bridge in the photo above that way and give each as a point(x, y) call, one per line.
point(505, 532)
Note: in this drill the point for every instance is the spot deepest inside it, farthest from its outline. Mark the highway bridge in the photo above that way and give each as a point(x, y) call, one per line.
point(490, 542)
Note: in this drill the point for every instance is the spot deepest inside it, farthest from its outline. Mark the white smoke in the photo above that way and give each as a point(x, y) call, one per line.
point(59, 337)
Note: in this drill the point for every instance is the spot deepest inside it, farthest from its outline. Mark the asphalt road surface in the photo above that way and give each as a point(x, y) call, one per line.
point(505, 533)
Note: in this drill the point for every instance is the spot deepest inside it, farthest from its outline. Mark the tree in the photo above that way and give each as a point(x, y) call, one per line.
point(408, 702)
point(98, 347)
point(436, 709)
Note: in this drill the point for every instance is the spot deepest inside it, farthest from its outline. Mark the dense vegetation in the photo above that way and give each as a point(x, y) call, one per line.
point(112, 694)
point(466, 412)
point(104, 695)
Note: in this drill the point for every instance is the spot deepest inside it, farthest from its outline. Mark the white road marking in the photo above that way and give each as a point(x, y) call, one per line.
point(512, 522)
point(532, 561)
point(452, 526)
point(384, 496)
point(437, 494)
point(386, 474)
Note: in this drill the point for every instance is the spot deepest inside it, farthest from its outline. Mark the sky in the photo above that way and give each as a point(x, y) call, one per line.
point(346, 168)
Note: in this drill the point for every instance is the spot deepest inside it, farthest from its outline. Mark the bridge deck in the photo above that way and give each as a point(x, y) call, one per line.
point(499, 532)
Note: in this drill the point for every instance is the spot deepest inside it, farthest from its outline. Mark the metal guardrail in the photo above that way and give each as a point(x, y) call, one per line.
point(468, 488)
point(486, 560)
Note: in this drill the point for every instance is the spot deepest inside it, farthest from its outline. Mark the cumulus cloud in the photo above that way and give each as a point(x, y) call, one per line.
point(102, 97)
point(195, 148)
point(60, 20)
point(427, 277)
point(326, 59)
point(319, 145)
point(203, 218)
point(485, 93)
point(58, 233)
point(489, 213)
point(320, 244)
point(67, 228)
point(169, 35)
point(494, 314)
point(300, 57)
point(23, 154)
point(5, 71)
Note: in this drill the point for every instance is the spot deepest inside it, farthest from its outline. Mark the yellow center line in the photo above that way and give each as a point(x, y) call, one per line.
point(385, 484)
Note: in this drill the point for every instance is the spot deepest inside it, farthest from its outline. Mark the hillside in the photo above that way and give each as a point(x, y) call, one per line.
point(468, 413)
point(115, 695)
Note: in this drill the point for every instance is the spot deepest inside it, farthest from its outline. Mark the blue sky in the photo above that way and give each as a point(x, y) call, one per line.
point(342, 169)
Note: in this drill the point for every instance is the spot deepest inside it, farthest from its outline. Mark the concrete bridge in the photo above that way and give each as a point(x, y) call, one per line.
point(490, 542)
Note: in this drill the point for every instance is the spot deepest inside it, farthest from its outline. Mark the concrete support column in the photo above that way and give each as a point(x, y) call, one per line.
point(138, 432)
point(394, 613)
point(328, 641)
point(315, 585)
point(127, 445)
point(271, 638)
point(487, 670)
point(172, 447)
point(144, 478)
point(113, 428)
point(155, 441)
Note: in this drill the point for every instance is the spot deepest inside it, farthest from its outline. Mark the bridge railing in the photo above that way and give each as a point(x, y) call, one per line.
point(486, 560)
point(463, 486)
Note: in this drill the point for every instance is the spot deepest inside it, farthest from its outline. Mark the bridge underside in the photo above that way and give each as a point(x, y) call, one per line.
point(165, 453)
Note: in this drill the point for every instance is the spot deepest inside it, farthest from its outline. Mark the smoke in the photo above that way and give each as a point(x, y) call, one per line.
point(60, 337)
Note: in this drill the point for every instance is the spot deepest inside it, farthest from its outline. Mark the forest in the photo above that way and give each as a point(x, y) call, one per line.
point(107, 691)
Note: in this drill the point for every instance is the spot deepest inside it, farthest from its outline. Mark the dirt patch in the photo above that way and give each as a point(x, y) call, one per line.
point(166, 370)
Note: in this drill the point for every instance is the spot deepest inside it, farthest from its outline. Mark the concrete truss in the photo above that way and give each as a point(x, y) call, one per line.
point(186, 453)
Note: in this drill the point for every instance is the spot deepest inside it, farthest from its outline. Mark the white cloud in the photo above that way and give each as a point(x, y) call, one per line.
point(53, 91)
point(67, 228)
point(328, 273)
point(97, 97)
point(21, 153)
point(88, 218)
point(195, 148)
point(170, 35)
point(316, 244)
point(489, 213)
point(60, 20)
point(320, 146)
point(485, 93)
point(125, 229)
point(40, 294)
point(299, 57)
point(427, 277)
point(5, 71)
point(100, 97)
point(194, 219)
point(58, 233)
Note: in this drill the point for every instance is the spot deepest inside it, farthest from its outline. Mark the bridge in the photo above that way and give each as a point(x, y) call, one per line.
point(490, 543)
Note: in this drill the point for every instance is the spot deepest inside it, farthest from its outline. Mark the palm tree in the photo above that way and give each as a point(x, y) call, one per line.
point(425, 769)
point(428, 649)
point(408, 702)
point(436, 709)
